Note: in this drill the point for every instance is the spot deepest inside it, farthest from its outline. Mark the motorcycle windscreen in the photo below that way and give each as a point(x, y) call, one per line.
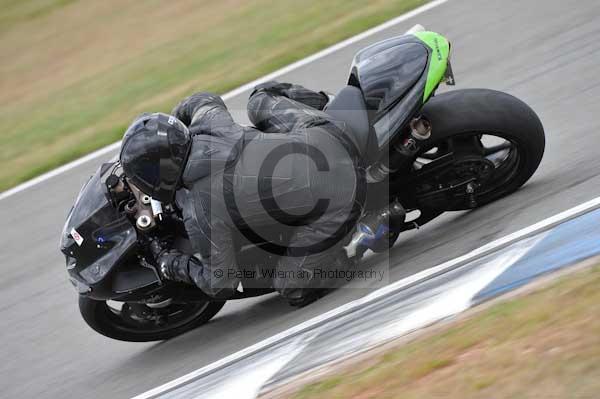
point(95, 236)
point(92, 198)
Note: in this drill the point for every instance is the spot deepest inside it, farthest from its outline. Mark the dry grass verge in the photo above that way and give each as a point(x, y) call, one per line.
point(74, 73)
point(545, 344)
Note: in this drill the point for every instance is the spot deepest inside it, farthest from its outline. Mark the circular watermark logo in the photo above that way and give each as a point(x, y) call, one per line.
point(334, 159)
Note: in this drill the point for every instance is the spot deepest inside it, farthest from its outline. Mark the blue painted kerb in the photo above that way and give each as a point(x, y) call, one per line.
point(564, 245)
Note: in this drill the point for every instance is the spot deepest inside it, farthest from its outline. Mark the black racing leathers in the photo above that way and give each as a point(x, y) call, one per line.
point(296, 174)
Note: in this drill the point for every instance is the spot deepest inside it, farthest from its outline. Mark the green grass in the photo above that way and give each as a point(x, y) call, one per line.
point(545, 344)
point(79, 71)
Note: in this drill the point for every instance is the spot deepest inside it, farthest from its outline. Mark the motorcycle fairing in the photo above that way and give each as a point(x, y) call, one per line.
point(438, 61)
point(397, 76)
point(387, 70)
point(102, 236)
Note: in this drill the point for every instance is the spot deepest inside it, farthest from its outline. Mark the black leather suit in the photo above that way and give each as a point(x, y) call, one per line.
point(295, 172)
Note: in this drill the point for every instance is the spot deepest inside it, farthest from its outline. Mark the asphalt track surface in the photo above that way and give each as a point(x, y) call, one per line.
point(546, 53)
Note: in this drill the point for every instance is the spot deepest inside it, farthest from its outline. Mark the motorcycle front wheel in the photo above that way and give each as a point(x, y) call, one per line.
point(135, 322)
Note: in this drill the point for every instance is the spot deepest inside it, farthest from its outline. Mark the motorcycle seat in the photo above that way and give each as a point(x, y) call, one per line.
point(349, 107)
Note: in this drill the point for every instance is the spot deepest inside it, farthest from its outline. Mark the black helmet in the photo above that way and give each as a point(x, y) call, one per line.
point(153, 154)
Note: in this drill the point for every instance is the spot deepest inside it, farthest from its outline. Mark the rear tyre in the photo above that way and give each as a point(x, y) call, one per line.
point(461, 114)
point(130, 324)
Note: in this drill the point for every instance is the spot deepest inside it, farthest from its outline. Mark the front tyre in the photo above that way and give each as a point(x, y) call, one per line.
point(139, 323)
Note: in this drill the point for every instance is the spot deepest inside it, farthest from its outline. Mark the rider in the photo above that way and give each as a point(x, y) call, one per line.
point(295, 170)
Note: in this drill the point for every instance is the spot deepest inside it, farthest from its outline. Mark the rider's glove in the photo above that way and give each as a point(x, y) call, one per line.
point(172, 264)
point(175, 266)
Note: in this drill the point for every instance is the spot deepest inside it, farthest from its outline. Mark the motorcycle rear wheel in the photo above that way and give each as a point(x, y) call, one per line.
point(464, 116)
point(467, 116)
point(128, 323)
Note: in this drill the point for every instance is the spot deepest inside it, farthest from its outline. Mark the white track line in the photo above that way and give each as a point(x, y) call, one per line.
point(59, 170)
point(398, 285)
point(235, 92)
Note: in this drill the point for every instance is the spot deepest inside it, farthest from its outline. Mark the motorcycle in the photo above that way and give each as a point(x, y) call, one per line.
point(427, 154)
